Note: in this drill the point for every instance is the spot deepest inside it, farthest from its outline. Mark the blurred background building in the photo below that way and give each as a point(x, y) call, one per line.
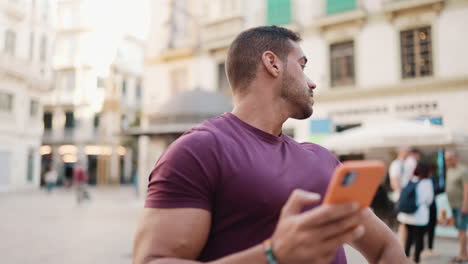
point(372, 60)
point(26, 45)
point(97, 95)
point(114, 103)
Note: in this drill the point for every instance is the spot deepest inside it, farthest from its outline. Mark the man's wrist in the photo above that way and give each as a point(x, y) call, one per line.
point(269, 254)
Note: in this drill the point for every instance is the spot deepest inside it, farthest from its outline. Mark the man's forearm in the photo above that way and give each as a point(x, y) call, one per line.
point(465, 196)
point(251, 255)
point(395, 184)
point(392, 253)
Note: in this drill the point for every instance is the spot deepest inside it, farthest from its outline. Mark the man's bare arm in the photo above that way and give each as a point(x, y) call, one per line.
point(395, 184)
point(378, 245)
point(177, 236)
point(465, 198)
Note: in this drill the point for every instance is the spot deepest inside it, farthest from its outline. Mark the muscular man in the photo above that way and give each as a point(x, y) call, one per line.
point(235, 189)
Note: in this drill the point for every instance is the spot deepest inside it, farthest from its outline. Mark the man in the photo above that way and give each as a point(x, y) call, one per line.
point(400, 172)
point(396, 171)
point(80, 177)
point(457, 193)
point(50, 178)
point(228, 191)
point(410, 164)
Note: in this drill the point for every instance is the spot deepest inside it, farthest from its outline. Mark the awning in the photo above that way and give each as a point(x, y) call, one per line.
point(390, 134)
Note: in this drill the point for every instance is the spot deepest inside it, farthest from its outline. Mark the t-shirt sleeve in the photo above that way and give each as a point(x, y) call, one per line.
point(185, 175)
point(465, 175)
point(395, 170)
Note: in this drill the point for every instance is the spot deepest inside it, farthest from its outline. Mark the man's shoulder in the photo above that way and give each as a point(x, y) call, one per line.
point(204, 135)
point(317, 149)
point(463, 168)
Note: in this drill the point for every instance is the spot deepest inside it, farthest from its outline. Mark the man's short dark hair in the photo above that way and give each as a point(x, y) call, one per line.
point(247, 48)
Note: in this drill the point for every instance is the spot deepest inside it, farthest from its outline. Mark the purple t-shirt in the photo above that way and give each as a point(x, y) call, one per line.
point(242, 175)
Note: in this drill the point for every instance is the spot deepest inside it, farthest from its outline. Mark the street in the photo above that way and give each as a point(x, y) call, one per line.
point(36, 227)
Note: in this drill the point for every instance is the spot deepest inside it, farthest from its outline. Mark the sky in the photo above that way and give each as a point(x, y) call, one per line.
point(111, 21)
point(122, 16)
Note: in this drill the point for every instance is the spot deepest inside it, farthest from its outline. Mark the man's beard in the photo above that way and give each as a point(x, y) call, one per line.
point(297, 97)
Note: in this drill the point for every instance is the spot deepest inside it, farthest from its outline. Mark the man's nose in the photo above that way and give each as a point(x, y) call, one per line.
point(311, 84)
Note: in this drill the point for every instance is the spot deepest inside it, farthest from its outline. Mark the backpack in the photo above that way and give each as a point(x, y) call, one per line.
point(407, 202)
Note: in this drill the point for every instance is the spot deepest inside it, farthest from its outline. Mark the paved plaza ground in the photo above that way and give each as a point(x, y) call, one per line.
point(39, 228)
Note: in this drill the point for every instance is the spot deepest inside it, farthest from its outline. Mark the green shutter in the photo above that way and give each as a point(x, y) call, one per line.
point(337, 6)
point(278, 12)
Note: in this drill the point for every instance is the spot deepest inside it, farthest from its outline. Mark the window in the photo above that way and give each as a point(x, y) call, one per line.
point(6, 165)
point(101, 82)
point(416, 52)
point(69, 120)
point(138, 91)
point(124, 88)
point(10, 42)
point(96, 121)
point(31, 46)
point(30, 165)
point(179, 22)
point(123, 122)
point(45, 9)
point(34, 108)
point(66, 46)
point(43, 49)
point(178, 80)
point(67, 80)
point(47, 117)
point(278, 12)
point(223, 84)
point(337, 6)
point(342, 63)
point(6, 102)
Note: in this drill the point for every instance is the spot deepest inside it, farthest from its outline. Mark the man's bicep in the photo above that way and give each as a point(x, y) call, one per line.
point(176, 233)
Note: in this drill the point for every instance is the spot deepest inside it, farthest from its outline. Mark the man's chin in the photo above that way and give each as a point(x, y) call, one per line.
point(303, 115)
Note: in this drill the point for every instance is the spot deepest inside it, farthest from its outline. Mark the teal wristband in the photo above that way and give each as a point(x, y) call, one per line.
point(270, 256)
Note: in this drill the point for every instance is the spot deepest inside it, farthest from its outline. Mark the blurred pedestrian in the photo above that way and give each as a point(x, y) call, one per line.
point(457, 194)
point(430, 228)
point(227, 190)
point(400, 171)
point(50, 178)
point(80, 178)
point(417, 221)
point(396, 171)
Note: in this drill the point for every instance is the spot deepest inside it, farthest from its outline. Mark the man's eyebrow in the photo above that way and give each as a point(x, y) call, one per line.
point(303, 58)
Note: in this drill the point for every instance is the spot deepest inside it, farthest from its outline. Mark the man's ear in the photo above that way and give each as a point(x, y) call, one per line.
point(271, 62)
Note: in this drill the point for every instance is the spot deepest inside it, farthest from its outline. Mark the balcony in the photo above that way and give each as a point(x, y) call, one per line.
point(396, 7)
point(14, 66)
point(14, 9)
point(22, 69)
point(219, 33)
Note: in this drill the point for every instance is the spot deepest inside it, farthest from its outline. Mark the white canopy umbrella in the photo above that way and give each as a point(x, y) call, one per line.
point(389, 134)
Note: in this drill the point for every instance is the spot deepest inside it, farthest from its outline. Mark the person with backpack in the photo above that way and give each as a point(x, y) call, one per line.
point(413, 207)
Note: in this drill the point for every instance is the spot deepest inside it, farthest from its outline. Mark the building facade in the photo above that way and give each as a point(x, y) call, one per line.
point(26, 44)
point(96, 95)
point(372, 60)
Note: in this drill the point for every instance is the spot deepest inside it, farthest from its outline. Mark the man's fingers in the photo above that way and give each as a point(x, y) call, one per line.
point(328, 213)
point(347, 237)
point(298, 200)
point(336, 228)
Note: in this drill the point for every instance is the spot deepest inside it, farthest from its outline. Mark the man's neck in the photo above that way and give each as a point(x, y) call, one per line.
point(261, 113)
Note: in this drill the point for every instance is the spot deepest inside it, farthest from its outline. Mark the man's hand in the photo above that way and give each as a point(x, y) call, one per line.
point(464, 210)
point(314, 236)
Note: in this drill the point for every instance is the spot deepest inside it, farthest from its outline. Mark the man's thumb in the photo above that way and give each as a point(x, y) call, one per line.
point(298, 200)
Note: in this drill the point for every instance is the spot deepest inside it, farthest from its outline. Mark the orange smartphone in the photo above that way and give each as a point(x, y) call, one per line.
point(355, 181)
